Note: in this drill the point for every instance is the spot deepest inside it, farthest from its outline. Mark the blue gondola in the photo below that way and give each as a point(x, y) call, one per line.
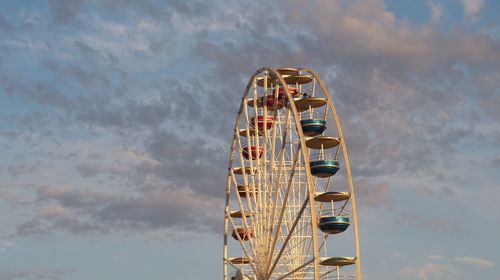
point(333, 224)
point(324, 168)
point(313, 127)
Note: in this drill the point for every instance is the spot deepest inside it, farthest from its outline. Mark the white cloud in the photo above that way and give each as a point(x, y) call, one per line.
point(436, 11)
point(436, 257)
point(34, 274)
point(443, 267)
point(472, 7)
point(482, 263)
point(429, 271)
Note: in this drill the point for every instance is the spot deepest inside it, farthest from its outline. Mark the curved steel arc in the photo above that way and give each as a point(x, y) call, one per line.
point(347, 166)
point(231, 159)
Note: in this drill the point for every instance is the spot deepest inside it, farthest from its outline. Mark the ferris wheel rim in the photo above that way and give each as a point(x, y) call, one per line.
point(305, 157)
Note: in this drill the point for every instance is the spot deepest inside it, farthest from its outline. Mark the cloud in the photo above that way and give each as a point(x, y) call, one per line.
point(496, 161)
point(63, 11)
point(472, 7)
point(152, 209)
point(34, 274)
point(474, 261)
point(193, 161)
point(442, 267)
point(5, 25)
point(166, 209)
point(436, 257)
point(436, 11)
point(374, 194)
point(429, 271)
point(481, 263)
point(432, 223)
point(71, 198)
point(16, 170)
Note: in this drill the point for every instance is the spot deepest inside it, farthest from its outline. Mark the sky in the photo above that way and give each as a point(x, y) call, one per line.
point(116, 118)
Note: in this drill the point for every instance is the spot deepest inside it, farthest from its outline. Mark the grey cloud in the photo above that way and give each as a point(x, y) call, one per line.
point(166, 209)
point(81, 212)
point(64, 11)
point(488, 85)
point(47, 95)
point(189, 161)
point(13, 86)
point(58, 219)
point(72, 198)
point(432, 223)
point(189, 8)
point(151, 8)
point(16, 170)
point(374, 194)
point(91, 79)
point(34, 274)
point(86, 50)
point(496, 161)
point(5, 25)
point(88, 170)
point(170, 102)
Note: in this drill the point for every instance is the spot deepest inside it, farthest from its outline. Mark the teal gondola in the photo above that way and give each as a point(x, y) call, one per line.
point(313, 127)
point(324, 168)
point(333, 224)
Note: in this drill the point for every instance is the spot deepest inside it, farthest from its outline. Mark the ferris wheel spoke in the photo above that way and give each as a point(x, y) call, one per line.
point(278, 176)
point(292, 249)
point(295, 270)
point(284, 205)
point(289, 235)
point(273, 175)
point(330, 271)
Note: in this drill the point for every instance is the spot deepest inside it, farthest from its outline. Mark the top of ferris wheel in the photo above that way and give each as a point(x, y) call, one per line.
point(288, 71)
point(289, 74)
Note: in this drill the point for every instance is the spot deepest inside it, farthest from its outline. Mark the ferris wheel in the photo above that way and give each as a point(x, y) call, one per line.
point(290, 200)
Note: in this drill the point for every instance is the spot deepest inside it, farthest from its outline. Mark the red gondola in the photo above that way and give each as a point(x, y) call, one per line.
point(244, 233)
point(256, 152)
point(260, 121)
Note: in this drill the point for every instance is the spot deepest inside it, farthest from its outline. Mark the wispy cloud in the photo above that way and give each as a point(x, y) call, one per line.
point(436, 10)
point(472, 7)
point(442, 267)
point(34, 274)
point(482, 263)
point(429, 271)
